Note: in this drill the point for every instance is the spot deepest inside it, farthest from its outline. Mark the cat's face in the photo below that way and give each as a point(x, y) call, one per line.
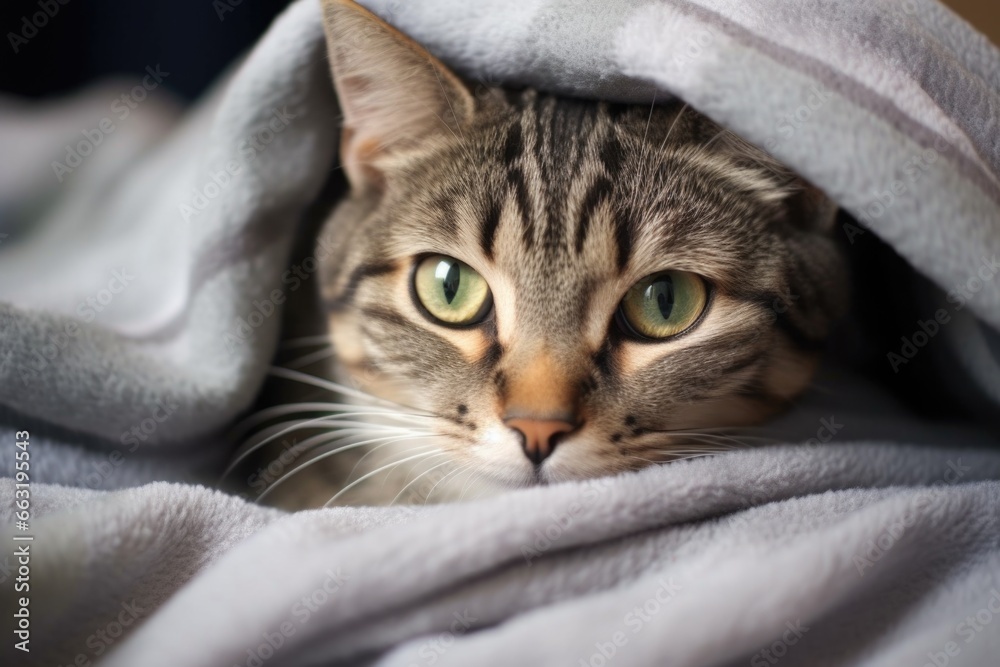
point(569, 287)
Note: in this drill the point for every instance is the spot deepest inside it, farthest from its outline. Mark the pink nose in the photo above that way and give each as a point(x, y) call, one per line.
point(539, 436)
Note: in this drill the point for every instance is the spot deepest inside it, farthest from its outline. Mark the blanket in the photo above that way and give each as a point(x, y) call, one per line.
point(145, 262)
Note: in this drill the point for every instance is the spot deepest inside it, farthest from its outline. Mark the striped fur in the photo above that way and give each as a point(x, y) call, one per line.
point(562, 205)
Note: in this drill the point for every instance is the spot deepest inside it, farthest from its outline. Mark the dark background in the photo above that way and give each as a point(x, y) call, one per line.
point(92, 39)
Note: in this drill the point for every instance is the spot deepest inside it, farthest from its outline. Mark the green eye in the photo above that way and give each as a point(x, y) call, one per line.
point(450, 290)
point(664, 304)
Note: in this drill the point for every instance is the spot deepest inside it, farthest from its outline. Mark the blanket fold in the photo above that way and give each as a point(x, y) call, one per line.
point(158, 284)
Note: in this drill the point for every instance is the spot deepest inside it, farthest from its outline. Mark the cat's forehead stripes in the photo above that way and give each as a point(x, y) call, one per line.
point(559, 158)
point(571, 174)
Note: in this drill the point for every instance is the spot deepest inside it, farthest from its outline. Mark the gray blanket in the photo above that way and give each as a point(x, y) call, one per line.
point(140, 305)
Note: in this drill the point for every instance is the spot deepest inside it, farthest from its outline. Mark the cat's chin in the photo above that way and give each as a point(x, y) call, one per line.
point(543, 475)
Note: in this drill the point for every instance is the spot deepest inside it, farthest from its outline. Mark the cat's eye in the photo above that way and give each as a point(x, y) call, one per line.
point(451, 291)
point(664, 304)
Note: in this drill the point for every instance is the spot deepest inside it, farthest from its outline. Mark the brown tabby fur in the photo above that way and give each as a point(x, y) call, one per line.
point(561, 205)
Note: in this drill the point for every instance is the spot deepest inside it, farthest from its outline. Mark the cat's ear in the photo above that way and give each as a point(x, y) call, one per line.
point(392, 92)
point(809, 207)
point(806, 206)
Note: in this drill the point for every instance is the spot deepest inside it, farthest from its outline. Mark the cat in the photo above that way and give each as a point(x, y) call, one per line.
point(531, 288)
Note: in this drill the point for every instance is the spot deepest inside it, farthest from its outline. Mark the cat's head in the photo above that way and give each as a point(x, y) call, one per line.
point(569, 286)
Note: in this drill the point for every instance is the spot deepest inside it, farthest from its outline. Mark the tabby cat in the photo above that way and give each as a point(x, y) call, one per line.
point(531, 288)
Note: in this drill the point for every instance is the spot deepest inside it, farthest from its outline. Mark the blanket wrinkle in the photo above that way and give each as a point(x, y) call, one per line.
point(873, 548)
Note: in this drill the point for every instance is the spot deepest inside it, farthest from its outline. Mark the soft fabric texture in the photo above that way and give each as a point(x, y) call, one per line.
point(875, 553)
point(884, 551)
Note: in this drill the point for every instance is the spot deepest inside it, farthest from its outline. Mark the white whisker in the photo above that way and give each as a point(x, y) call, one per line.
point(415, 479)
point(310, 358)
point(320, 457)
point(475, 476)
point(330, 385)
point(301, 424)
point(372, 451)
point(272, 412)
point(431, 492)
point(372, 473)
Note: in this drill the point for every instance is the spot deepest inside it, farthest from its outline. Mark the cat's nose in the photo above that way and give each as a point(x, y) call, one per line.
point(539, 436)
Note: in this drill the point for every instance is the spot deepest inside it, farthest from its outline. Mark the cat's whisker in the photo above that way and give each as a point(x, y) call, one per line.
point(321, 383)
point(335, 409)
point(742, 433)
point(299, 425)
point(688, 458)
point(367, 454)
point(317, 441)
point(716, 441)
point(639, 458)
point(475, 475)
point(673, 125)
point(372, 474)
point(716, 136)
point(679, 455)
point(649, 118)
point(393, 469)
point(674, 454)
point(320, 457)
point(451, 108)
point(431, 492)
point(325, 421)
point(643, 155)
point(734, 437)
point(415, 479)
point(310, 358)
point(412, 468)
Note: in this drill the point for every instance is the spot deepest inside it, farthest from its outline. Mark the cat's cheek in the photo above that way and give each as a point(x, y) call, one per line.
point(790, 373)
point(346, 339)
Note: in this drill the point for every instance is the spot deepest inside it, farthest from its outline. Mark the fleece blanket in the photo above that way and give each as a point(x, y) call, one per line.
point(145, 266)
